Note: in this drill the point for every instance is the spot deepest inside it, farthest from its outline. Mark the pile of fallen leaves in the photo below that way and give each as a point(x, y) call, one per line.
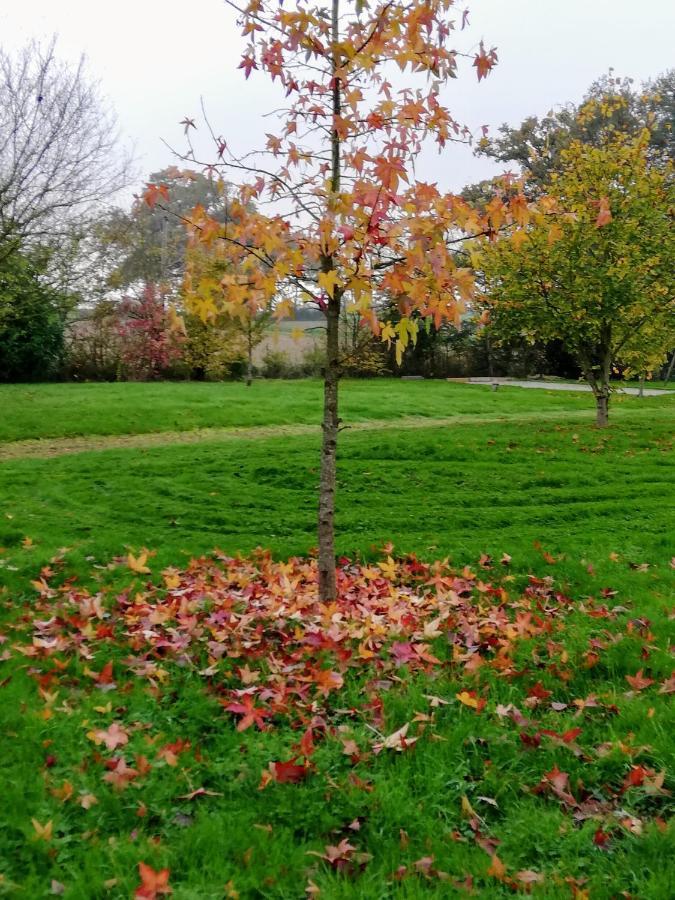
point(256, 635)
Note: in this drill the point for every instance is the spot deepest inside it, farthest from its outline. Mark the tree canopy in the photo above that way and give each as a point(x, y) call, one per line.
point(59, 146)
point(536, 145)
point(597, 272)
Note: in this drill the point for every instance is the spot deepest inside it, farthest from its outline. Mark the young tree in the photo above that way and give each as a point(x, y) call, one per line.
point(349, 223)
point(59, 146)
point(598, 273)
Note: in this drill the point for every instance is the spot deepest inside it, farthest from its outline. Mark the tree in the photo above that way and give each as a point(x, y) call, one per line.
point(148, 244)
point(59, 146)
point(349, 223)
point(151, 334)
point(537, 144)
point(240, 327)
point(32, 320)
point(596, 273)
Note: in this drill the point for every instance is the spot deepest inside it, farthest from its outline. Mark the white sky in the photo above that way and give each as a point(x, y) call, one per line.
point(156, 58)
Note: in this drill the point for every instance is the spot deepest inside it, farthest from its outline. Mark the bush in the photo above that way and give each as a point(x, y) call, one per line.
point(32, 315)
point(277, 364)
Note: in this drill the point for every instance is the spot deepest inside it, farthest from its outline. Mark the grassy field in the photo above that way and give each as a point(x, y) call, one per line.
point(518, 472)
point(70, 410)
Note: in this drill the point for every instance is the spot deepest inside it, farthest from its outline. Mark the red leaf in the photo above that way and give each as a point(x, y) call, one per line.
point(288, 772)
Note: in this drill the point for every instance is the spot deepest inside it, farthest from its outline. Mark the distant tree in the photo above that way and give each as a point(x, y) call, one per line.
point(148, 244)
point(597, 274)
point(537, 144)
point(59, 146)
point(32, 320)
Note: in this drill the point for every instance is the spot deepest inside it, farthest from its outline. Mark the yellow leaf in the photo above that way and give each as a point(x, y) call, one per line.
point(518, 238)
point(329, 281)
point(42, 832)
point(467, 699)
point(467, 808)
point(138, 563)
point(388, 568)
point(171, 579)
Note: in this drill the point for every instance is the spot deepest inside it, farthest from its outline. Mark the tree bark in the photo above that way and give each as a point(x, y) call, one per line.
point(249, 359)
point(326, 561)
point(327, 583)
point(641, 391)
point(602, 408)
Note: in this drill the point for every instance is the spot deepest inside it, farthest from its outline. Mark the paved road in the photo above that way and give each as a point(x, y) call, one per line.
point(561, 386)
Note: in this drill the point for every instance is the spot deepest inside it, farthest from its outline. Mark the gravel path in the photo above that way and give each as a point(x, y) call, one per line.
point(564, 386)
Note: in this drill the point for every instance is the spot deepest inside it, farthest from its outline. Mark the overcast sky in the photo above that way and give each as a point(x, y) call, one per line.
point(155, 59)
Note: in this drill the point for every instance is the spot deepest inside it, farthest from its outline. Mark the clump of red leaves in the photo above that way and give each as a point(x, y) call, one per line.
point(256, 632)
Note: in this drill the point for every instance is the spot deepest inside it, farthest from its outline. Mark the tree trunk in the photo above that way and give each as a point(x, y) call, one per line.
point(641, 391)
point(602, 408)
point(327, 579)
point(327, 586)
point(670, 368)
point(249, 359)
point(601, 388)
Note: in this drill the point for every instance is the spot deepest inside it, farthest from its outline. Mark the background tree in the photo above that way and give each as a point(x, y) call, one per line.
point(32, 319)
point(59, 146)
point(597, 274)
point(148, 244)
point(349, 223)
point(537, 144)
point(151, 334)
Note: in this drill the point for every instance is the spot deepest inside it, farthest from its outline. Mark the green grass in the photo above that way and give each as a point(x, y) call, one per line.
point(69, 410)
point(471, 488)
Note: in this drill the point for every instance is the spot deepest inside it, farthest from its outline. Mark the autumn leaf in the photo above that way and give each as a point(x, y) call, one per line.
point(154, 192)
point(497, 868)
point(484, 61)
point(153, 884)
point(395, 741)
point(113, 737)
point(251, 714)
point(42, 832)
point(138, 563)
point(288, 772)
point(604, 213)
point(638, 681)
point(328, 281)
point(469, 698)
point(120, 774)
point(200, 792)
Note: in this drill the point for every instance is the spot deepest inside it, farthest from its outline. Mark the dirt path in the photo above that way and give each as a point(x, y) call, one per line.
point(49, 447)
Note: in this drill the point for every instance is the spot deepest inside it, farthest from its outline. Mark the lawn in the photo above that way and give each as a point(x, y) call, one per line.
point(70, 410)
point(530, 763)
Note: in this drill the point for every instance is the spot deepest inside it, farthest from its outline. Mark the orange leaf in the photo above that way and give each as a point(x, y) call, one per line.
point(604, 213)
point(152, 883)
